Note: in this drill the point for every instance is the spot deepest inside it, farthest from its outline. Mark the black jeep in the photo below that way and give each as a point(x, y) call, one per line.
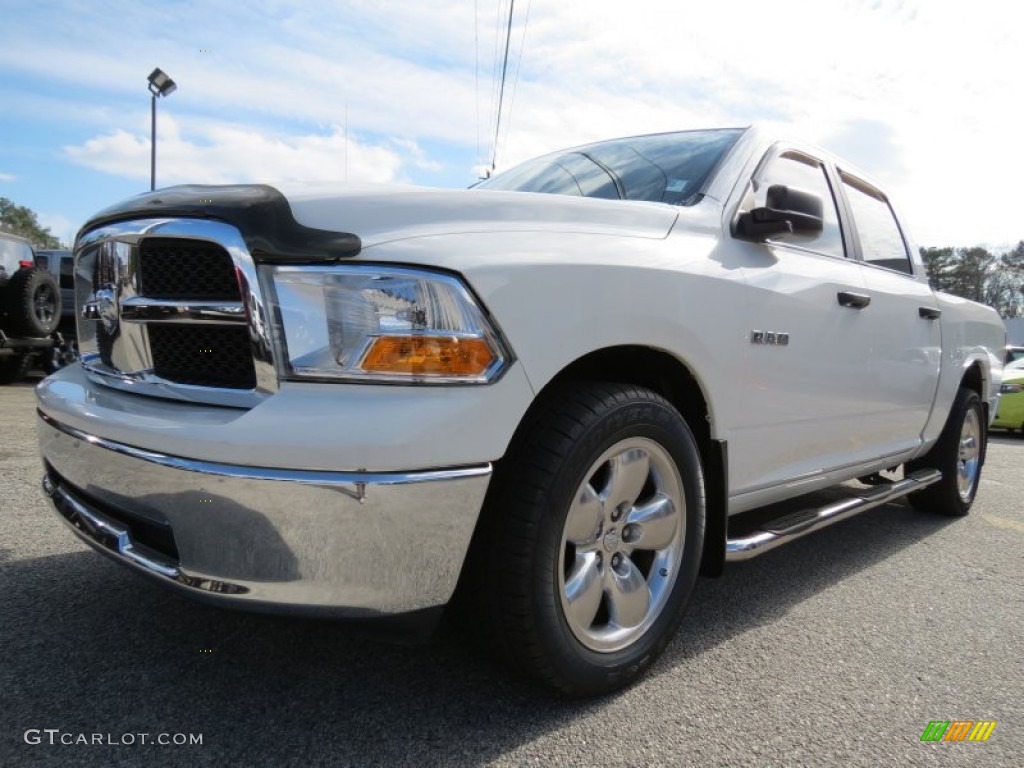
point(30, 309)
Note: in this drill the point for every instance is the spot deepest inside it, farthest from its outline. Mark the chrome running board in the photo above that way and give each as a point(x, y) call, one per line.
point(790, 527)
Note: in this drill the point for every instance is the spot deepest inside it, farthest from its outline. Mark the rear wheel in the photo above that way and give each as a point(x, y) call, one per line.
point(592, 537)
point(958, 455)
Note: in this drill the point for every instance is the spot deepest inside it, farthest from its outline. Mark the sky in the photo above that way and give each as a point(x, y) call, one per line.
point(925, 96)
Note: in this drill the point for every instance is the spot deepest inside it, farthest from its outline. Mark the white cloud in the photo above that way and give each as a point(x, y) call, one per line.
point(416, 155)
point(7, 177)
point(399, 69)
point(60, 226)
point(222, 153)
point(920, 95)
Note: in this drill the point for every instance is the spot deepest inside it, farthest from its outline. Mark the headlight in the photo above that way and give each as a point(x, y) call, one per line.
point(1011, 389)
point(383, 324)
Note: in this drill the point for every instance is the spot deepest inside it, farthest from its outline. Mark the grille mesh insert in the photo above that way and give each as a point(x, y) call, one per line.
point(177, 268)
point(204, 355)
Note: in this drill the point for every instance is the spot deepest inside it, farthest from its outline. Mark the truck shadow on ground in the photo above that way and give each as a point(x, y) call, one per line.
point(90, 648)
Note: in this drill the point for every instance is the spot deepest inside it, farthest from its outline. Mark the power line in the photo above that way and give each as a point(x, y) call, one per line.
point(501, 93)
point(515, 81)
point(476, 90)
point(495, 62)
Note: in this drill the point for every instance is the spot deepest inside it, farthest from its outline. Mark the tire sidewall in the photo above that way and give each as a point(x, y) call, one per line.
point(590, 670)
point(944, 496)
point(27, 287)
point(967, 401)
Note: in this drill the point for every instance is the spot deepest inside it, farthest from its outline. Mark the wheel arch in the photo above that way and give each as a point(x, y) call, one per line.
point(674, 380)
point(677, 382)
point(974, 378)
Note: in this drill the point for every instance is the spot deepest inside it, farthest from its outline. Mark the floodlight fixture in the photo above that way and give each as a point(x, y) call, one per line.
point(160, 84)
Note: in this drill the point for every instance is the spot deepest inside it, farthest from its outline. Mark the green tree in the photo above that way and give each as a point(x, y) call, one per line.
point(941, 265)
point(974, 276)
point(1011, 271)
point(22, 221)
point(980, 275)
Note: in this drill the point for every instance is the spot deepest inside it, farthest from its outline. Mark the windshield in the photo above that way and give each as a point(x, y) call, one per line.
point(663, 168)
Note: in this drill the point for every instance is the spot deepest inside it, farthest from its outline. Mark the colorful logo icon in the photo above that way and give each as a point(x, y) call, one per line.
point(958, 730)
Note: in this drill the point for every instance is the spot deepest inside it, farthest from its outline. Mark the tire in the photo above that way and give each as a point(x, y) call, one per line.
point(13, 368)
point(570, 595)
point(958, 454)
point(33, 303)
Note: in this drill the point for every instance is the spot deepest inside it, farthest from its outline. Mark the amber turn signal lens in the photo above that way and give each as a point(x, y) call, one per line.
point(428, 356)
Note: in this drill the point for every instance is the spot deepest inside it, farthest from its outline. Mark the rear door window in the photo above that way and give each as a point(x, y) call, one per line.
point(881, 241)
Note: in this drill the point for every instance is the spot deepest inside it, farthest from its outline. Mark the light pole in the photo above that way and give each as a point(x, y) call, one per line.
point(159, 85)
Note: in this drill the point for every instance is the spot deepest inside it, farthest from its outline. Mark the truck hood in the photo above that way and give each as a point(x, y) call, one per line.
point(380, 213)
point(305, 223)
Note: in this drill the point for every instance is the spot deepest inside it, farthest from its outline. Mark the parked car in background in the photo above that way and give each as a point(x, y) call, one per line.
point(1014, 354)
point(1010, 413)
point(61, 264)
point(30, 308)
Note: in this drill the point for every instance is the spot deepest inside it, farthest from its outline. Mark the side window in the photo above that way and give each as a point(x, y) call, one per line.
point(12, 252)
point(881, 242)
point(7, 256)
point(804, 173)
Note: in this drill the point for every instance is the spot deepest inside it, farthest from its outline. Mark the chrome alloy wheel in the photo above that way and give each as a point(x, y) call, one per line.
point(622, 545)
point(970, 455)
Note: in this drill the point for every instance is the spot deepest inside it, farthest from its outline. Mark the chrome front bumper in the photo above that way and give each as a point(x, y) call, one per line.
point(354, 544)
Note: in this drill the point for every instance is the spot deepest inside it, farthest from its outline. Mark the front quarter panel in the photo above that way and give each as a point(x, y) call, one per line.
point(559, 297)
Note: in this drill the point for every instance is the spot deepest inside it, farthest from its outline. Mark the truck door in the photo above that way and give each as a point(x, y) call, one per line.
point(904, 320)
point(808, 391)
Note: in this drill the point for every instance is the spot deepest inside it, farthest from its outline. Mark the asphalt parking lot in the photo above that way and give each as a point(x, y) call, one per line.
point(835, 650)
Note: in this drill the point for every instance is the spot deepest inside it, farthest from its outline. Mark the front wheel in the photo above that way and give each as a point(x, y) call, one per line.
point(593, 535)
point(958, 455)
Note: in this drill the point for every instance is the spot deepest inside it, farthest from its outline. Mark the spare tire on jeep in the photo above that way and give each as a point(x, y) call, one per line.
point(33, 303)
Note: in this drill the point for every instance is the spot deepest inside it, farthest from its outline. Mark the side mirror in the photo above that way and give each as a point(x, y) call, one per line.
point(787, 210)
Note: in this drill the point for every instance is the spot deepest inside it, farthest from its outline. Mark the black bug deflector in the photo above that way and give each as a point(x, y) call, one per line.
point(260, 212)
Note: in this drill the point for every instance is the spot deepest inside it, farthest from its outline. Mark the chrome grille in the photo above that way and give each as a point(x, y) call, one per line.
point(177, 268)
point(105, 342)
point(173, 308)
point(203, 355)
point(180, 269)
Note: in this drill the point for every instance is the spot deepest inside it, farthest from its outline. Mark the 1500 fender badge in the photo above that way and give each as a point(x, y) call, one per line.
point(769, 337)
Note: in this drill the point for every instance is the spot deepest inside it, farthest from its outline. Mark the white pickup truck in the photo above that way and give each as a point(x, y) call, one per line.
point(559, 391)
